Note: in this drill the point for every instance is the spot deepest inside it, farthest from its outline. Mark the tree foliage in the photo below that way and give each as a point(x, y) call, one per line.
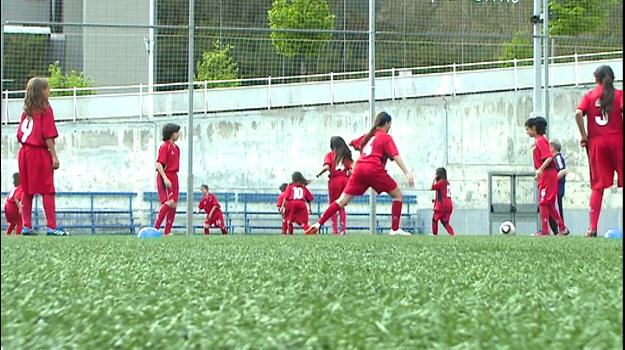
point(218, 64)
point(58, 80)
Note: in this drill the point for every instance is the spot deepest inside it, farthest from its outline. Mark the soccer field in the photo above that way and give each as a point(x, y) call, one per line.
point(273, 292)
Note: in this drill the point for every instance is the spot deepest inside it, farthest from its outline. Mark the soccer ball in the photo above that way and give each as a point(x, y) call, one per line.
point(507, 228)
point(149, 232)
point(614, 233)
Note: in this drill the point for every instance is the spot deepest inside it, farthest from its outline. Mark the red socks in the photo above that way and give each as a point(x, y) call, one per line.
point(544, 218)
point(27, 210)
point(343, 216)
point(449, 229)
point(162, 214)
point(434, 227)
point(332, 209)
point(596, 197)
point(49, 207)
point(169, 221)
point(284, 227)
point(395, 215)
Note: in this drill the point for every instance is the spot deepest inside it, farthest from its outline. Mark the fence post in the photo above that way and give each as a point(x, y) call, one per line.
point(132, 218)
point(393, 82)
point(75, 100)
point(141, 101)
point(516, 75)
point(453, 80)
point(331, 88)
point(269, 92)
point(6, 107)
point(92, 214)
point(576, 70)
point(205, 97)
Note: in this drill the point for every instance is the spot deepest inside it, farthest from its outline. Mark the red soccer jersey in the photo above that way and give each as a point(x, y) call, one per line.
point(297, 192)
point(542, 151)
point(35, 130)
point(208, 202)
point(281, 199)
point(442, 201)
point(169, 156)
point(599, 123)
point(378, 149)
point(340, 169)
point(16, 193)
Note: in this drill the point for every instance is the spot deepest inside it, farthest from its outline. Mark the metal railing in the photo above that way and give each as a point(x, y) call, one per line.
point(270, 92)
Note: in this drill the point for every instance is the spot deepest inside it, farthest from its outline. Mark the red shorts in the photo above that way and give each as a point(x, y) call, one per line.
point(35, 168)
point(217, 219)
point(442, 215)
point(605, 155)
point(297, 212)
point(548, 187)
point(336, 185)
point(164, 193)
point(366, 176)
point(12, 213)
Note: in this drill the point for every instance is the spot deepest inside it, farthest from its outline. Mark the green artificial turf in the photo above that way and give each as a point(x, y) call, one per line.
point(273, 292)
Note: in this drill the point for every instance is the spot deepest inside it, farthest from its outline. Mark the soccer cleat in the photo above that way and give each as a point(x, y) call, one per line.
point(342, 233)
point(56, 232)
point(566, 232)
point(313, 229)
point(541, 234)
point(399, 232)
point(591, 234)
point(27, 232)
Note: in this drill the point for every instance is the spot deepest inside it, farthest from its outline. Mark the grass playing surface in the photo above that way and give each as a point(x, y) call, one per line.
point(300, 292)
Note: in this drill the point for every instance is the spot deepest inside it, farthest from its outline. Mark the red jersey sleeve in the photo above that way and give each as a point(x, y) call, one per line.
point(389, 148)
point(437, 185)
point(18, 193)
point(212, 202)
point(328, 159)
point(200, 206)
point(357, 143)
point(543, 148)
point(163, 154)
point(308, 195)
point(48, 127)
point(583, 104)
point(280, 199)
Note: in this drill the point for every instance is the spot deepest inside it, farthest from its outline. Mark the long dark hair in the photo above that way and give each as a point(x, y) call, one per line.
point(380, 119)
point(441, 173)
point(283, 187)
point(606, 76)
point(341, 150)
point(16, 179)
point(539, 123)
point(298, 178)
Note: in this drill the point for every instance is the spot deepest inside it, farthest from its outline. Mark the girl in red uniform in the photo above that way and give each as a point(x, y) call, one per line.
point(603, 106)
point(339, 163)
point(37, 158)
point(211, 206)
point(296, 205)
point(13, 207)
point(279, 205)
point(167, 166)
point(375, 147)
point(443, 205)
point(546, 175)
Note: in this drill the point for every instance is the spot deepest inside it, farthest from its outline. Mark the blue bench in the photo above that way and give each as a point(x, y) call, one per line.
point(271, 220)
point(91, 216)
point(225, 200)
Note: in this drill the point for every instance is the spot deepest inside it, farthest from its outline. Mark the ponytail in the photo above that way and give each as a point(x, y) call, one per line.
point(381, 119)
point(606, 76)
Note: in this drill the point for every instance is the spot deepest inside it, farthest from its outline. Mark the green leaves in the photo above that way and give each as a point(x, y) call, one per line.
point(300, 14)
point(58, 80)
point(218, 64)
point(272, 292)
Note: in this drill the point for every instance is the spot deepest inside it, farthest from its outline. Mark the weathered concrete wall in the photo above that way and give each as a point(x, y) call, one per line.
point(258, 150)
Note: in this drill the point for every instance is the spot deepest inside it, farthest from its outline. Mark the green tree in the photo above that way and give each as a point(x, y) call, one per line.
point(300, 14)
point(519, 47)
point(218, 64)
point(58, 80)
point(575, 17)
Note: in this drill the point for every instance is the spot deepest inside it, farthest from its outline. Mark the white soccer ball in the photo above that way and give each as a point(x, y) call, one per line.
point(507, 228)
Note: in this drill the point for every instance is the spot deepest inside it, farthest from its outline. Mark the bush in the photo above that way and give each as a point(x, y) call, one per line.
point(58, 80)
point(218, 64)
